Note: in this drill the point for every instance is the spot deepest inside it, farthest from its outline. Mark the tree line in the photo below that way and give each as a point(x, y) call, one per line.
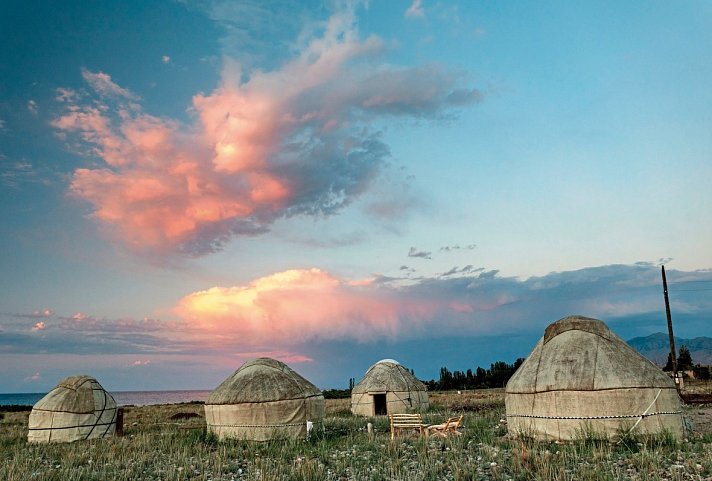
point(496, 376)
point(685, 363)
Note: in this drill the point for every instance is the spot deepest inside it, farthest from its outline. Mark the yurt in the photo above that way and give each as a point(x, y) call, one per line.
point(388, 388)
point(264, 399)
point(581, 378)
point(78, 408)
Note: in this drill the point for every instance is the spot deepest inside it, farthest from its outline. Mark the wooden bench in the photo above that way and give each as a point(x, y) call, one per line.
point(445, 429)
point(408, 422)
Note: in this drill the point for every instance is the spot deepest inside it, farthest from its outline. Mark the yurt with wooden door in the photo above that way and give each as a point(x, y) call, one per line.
point(77, 408)
point(388, 388)
point(264, 399)
point(581, 378)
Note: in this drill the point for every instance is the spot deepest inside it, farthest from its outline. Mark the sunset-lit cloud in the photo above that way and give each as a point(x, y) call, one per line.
point(296, 314)
point(264, 144)
point(104, 85)
point(298, 305)
point(285, 312)
point(284, 356)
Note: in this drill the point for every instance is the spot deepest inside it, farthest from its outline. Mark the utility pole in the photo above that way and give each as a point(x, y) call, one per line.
point(670, 334)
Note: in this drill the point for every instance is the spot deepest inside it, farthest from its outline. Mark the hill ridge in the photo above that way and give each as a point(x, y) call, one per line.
point(656, 347)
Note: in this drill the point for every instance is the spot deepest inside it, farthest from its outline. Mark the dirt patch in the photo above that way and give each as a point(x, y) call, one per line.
point(697, 398)
point(701, 417)
point(184, 415)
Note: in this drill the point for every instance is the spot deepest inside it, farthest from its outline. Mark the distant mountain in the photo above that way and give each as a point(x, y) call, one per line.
point(657, 346)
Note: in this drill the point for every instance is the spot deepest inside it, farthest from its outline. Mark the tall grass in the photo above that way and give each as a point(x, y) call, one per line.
point(157, 448)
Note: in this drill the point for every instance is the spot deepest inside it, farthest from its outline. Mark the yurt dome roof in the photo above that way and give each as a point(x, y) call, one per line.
point(388, 375)
point(74, 394)
point(582, 354)
point(388, 361)
point(262, 380)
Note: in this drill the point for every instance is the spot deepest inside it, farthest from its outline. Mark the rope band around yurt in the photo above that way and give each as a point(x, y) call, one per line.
point(56, 428)
point(612, 416)
point(265, 426)
point(101, 414)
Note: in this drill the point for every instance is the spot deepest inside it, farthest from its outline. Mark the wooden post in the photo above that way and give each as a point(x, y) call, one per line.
point(120, 422)
point(670, 334)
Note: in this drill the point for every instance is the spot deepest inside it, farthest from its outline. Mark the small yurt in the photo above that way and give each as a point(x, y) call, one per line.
point(78, 408)
point(582, 378)
point(264, 399)
point(388, 388)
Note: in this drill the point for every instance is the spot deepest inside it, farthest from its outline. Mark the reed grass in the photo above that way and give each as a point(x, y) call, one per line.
point(156, 446)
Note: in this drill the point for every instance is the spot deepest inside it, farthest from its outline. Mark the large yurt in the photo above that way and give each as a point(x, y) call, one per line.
point(264, 399)
point(388, 388)
point(582, 379)
point(77, 408)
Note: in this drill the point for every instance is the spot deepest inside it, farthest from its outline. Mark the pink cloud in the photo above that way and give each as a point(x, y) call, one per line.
point(284, 356)
point(263, 144)
point(34, 377)
point(38, 326)
point(297, 305)
point(103, 84)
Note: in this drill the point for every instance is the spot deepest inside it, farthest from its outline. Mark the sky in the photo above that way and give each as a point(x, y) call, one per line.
point(187, 185)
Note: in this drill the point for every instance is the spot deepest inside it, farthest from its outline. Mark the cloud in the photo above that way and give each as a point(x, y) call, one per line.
point(258, 32)
point(32, 107)
point(265, 144)
point(468, 269)
point(284, 356)
point(102, 84)
point(36, 377)
point(297, 307)
point(301, 315)
point(15, 174)
point(86, 334)
point(413, 252)
point(166, 59)
point(140, 362)
point(415, 10)
point(457, 247)
point(36, 314)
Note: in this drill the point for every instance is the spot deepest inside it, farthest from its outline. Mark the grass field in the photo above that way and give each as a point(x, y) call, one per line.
point(168, 443)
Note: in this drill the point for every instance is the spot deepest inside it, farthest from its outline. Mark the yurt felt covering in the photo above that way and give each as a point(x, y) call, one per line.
point(264, 399)
point(404, 393)
point(77, 408)
point(582, 378)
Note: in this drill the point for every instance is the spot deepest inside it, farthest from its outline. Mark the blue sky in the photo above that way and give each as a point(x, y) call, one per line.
point(186, 185)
